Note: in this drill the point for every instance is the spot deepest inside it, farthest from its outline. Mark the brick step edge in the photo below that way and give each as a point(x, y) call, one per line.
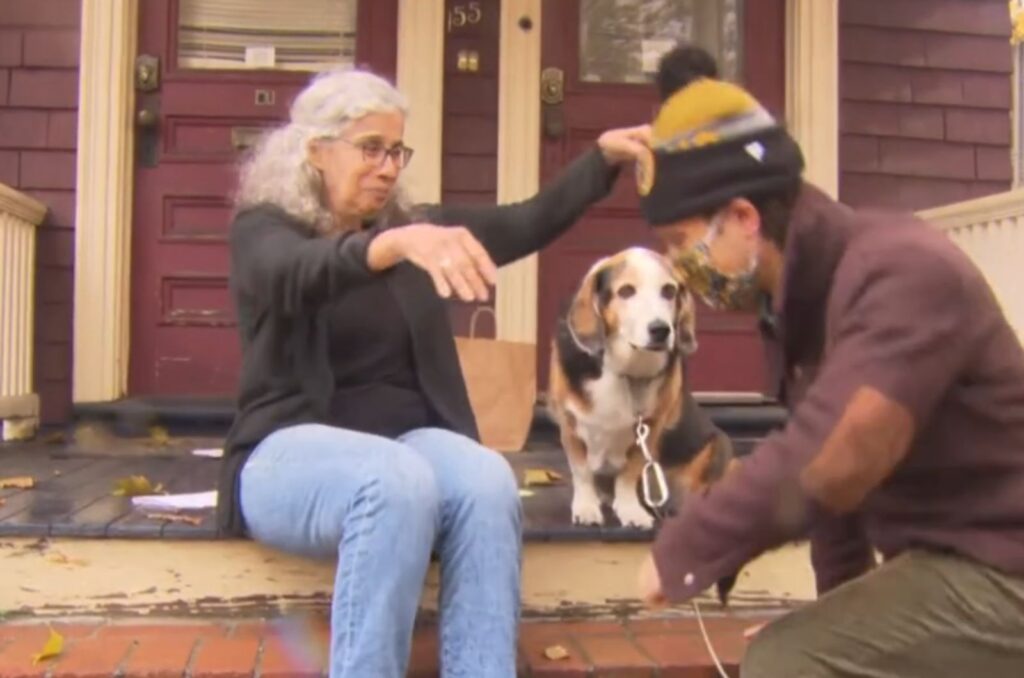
point(297, 648)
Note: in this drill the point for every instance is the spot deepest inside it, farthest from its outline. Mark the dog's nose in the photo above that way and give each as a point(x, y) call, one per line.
point(659, 331)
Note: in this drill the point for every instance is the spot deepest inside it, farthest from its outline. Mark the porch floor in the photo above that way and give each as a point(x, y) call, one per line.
point(296, 647)
point(74, 483)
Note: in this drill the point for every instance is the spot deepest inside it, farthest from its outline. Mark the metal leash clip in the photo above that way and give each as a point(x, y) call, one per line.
point(651, 467)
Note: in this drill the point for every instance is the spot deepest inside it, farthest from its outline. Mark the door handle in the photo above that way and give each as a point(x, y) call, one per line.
point(552, 94)
point(147, 118)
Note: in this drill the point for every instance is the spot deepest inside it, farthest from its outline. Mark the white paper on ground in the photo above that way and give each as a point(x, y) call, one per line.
point(176, 502)
point(212, 452)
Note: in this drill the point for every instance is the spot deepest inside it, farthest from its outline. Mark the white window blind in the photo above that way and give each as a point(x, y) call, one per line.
point(304, 35)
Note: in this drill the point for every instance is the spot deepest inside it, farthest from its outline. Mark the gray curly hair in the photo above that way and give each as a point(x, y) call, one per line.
point(278, 171)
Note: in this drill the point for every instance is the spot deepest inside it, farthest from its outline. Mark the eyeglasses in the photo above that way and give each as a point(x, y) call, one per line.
point(374, 152)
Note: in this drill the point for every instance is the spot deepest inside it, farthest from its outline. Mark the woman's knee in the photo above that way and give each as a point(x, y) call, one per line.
point(468, 472)
point(403, 481)
point(488, 480)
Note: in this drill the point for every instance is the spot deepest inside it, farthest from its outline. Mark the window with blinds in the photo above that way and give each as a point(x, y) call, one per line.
point(299, 35)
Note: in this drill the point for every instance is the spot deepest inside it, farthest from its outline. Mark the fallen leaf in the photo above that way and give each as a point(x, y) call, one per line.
point(53, 647)
point(175, 518)
point(17, 483)
point(57, 472)
point(556, 653)
point(133, 486)
point(2, 502)
point(540, 476)
point(526, 493)
point(93, 437)
point(55, 438)
point(159, 437)
point(63, 559)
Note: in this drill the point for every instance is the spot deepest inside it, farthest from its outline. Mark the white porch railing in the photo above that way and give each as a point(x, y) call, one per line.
point(991, 231)
point(19, 404)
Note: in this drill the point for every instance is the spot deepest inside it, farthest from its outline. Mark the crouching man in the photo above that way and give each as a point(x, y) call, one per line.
point(905, 386)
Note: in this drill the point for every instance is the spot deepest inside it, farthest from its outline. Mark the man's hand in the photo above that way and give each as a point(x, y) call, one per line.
point(650, 584)
point(624, 144)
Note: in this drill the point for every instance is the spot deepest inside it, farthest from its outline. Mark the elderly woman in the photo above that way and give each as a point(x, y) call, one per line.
point(354, 435)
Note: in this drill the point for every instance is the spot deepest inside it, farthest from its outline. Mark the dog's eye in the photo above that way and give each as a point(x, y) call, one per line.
point(626, 291)
point(669, 291)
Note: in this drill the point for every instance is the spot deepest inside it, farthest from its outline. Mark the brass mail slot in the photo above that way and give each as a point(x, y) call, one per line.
point(245, 137)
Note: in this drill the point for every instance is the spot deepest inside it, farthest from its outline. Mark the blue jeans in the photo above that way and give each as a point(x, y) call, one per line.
point(383, 506)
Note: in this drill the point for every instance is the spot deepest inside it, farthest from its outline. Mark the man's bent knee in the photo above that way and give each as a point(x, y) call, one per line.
point(775, 652)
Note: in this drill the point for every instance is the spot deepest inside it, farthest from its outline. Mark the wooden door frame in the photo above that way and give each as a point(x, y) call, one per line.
point(106, 177)
point(105, 154)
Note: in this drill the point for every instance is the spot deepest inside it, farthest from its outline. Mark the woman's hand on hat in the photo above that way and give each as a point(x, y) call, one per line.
point(624, 144)
point(455, 260)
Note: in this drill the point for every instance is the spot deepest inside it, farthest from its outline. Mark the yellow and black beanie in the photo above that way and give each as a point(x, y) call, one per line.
point(712, 142)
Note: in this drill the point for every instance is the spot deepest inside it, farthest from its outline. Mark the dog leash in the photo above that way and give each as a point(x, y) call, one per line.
point(653, 468)
point(707, 641)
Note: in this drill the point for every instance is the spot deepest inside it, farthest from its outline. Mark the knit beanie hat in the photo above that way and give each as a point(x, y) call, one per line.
point(712, 142)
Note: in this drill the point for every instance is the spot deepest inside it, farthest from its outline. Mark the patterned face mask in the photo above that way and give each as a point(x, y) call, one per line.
point(736, 292)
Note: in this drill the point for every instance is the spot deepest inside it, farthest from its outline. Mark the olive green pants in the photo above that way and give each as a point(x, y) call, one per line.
point(920, 615)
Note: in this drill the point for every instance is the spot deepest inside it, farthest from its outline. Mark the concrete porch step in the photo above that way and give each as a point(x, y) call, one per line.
point(296, 647)
point(54, 578)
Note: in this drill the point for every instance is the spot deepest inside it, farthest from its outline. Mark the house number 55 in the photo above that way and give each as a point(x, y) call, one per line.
point(464, 15)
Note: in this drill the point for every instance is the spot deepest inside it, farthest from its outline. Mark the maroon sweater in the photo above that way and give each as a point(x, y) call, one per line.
point(905, 385)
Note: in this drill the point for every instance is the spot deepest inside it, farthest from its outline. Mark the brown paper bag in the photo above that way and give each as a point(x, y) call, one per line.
point(501, 377)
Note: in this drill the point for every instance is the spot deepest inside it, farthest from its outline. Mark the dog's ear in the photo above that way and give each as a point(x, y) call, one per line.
point(686, 316)
point(584, 318)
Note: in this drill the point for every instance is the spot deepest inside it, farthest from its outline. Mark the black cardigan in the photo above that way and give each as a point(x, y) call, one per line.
point(282, 273)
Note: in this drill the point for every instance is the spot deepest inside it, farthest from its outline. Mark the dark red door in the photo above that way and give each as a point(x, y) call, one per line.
point(221, 76)
point(604, 51)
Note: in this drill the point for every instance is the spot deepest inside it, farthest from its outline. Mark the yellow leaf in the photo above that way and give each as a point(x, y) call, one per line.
point(175, 518)
point(526, 493)
point(133, 486)
point(55, 438)
point(540, 476)
point(93, 437)
point(159, 436)
point(17, 483)
point(63, 559)
point(556, 652)
point(53, 647)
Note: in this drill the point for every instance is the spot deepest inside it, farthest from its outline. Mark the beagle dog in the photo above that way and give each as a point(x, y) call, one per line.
point(617, 359)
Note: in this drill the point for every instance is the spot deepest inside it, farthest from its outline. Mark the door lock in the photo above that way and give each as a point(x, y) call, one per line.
point(552, 85)
point(147, 73)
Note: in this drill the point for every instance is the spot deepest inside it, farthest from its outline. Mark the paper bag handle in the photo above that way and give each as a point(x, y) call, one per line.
point(476, 314)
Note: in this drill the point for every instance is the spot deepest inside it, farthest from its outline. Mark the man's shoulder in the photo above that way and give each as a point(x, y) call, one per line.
point(907, 252)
